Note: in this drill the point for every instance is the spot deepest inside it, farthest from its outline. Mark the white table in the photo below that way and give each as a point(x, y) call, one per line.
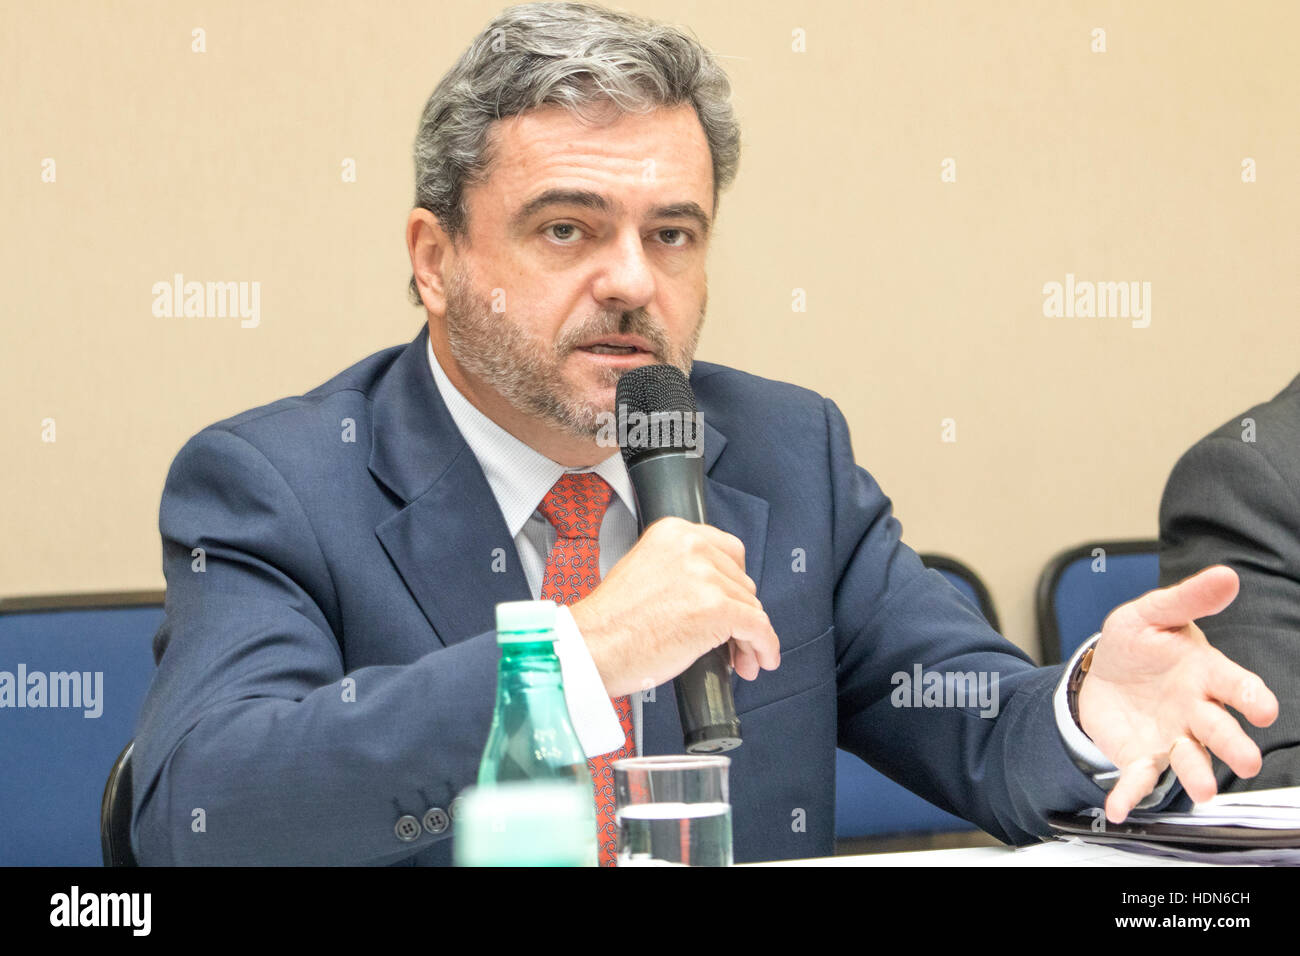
point(1056, 853)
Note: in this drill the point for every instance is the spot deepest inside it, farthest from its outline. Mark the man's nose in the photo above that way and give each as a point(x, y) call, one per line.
point(625, 280)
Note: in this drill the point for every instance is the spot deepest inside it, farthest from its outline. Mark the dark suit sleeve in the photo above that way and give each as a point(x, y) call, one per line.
point(1004, 771)
point(1227, 503)
point(256, 744)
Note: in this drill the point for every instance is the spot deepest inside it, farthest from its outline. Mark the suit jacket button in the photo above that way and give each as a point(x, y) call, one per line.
point(407, 829)
point(436, 820)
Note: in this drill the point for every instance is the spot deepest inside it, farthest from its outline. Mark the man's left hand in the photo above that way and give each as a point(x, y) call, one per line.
point(1154, 696)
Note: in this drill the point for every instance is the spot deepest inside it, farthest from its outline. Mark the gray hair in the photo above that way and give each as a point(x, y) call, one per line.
point(575, 55)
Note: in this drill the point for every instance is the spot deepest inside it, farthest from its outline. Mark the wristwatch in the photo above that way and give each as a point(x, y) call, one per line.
point(1075, 682)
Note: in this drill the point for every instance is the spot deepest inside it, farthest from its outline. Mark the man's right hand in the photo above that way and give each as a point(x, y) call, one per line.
point(680, 592)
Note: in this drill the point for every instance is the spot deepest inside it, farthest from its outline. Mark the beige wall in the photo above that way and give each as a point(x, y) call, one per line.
point(924, 298)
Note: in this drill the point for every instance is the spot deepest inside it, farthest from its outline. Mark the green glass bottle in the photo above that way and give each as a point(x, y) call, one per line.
point(532, 736)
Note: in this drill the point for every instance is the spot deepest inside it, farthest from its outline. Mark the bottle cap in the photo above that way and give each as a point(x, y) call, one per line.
point(523, 621)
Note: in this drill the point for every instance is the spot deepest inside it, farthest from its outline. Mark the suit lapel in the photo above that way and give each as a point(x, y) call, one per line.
point(453, 550)
point(449, 541)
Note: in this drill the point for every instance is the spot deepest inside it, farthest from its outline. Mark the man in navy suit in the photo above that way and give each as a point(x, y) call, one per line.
point(327, 663)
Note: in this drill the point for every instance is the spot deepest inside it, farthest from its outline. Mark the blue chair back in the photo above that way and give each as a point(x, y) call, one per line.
point(869, 804)
point(87, 660)
point(1081, 586)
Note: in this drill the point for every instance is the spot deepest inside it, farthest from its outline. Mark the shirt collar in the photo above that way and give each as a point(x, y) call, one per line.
point(518, 474)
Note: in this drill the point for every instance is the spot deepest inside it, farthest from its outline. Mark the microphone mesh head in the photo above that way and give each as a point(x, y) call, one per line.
point(656, 411)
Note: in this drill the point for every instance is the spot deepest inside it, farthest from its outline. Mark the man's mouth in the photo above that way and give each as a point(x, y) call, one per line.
point(617, 345)
point(611, 349)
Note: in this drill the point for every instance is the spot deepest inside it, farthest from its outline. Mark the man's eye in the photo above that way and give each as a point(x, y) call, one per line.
point(675, 237)
point(564, 232)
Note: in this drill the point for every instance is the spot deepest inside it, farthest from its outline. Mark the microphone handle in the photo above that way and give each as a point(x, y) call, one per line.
point(672, 484)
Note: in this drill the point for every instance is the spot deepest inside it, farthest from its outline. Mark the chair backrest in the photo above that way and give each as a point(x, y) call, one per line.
point(1081, 585)
point(115, 812)
point(74, 670)
point(869, 804)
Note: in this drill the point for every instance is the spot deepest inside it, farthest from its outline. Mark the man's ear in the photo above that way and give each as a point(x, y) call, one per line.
point(428, 245)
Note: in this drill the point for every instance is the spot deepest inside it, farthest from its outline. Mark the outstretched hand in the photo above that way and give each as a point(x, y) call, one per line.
point(1154, 696)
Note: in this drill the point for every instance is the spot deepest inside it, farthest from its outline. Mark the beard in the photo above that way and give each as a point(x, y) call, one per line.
point(529, 373)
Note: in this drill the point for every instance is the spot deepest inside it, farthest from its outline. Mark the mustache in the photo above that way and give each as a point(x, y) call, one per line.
point(636, 322)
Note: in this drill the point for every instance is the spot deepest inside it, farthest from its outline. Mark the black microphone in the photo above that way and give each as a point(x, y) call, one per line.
point(663, 448)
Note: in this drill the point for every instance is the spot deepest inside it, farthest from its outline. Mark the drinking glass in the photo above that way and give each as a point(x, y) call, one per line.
point(673, 811)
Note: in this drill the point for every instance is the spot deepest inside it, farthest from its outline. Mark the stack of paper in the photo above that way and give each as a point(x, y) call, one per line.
point(1259, 826)
point(1271, 809)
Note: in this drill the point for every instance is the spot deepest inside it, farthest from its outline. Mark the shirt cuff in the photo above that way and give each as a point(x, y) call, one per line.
point(590, 709)
point(1086, 755)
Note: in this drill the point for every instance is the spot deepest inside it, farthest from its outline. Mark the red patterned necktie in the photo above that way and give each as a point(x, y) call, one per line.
point(575, 505)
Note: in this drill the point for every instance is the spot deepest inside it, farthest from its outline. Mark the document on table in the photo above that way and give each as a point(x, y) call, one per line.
point(1277, 809)
point(1248, 827)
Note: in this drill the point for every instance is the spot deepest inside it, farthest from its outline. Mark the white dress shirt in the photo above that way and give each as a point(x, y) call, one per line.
point(520, 476)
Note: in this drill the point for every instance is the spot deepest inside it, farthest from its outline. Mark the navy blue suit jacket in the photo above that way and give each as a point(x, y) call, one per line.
point(327, 662)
